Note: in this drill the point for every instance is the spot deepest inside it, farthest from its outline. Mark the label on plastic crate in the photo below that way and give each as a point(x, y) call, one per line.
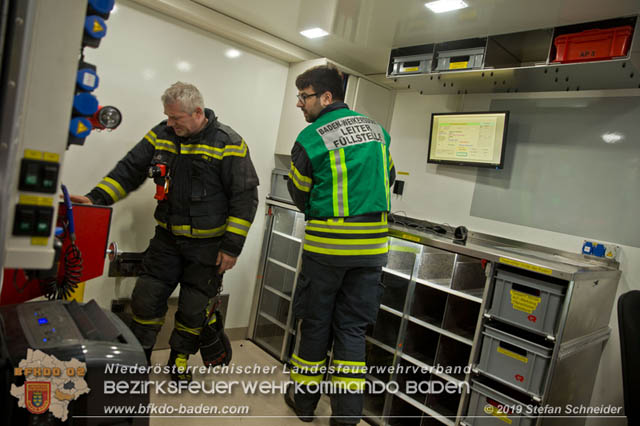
point(524, 302)
point(524, 265)
point(513, 355)
point(495, 411)
point(458, 65)
point(410, 69)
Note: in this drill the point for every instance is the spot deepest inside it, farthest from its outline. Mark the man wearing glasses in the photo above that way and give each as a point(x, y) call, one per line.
point(341, 171)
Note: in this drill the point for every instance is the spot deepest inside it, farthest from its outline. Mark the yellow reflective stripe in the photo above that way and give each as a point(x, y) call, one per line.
point(391, 165)
point(347, 242)
point(207, 233)
point(334, 177)
point(299, 175)
point(217, 153)
point(345, 184)
point(236, 151)
point(336, 222)
point(152, 140)
point(307, 363)
point(349, 382)
point(188, 231)
point(386, 175)
point(166, 145)
point(153, 321)
point(117, 186)
point(238, 226)
point(213, 319)
point(301, 182)
point(181, 327)
point(305, 380)
point(113, 188)
point(356, 363)
point(382, 230)
point(345, 251)
point(306, 370)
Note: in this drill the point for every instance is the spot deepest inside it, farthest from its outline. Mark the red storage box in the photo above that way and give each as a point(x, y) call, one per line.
point(593, 45)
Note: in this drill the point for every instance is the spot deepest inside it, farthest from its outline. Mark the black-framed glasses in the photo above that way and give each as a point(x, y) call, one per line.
point(302, 97)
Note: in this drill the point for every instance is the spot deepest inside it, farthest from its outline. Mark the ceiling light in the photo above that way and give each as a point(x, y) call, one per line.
point(232, 53)
point(442, 6)
point(612, 138)
point(314, 33)
point(183, 66)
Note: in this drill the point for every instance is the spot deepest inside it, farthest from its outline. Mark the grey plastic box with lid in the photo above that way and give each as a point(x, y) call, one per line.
point(413, 64)
point(484, 412)
point(514, 360)
point(474, 58)
point(534, 304)
point(279, 191)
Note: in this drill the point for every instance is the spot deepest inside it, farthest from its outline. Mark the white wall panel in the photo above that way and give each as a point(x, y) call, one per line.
point(144, 53)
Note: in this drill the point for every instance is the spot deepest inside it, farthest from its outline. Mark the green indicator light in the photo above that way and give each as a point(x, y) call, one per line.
point(31, 180)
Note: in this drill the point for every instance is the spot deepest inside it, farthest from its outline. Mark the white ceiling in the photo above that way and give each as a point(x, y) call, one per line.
point(364, 31)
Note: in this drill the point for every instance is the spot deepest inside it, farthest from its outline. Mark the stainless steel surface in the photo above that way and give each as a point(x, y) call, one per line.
point(17, 44)
point(591, 306)
point(578, 344)
point(259, 276)
point(561, 264)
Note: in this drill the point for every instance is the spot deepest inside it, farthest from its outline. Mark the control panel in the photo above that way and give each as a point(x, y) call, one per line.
point(47, 324)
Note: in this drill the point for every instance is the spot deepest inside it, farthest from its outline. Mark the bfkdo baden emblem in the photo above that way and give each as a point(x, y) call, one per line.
point(37, 396)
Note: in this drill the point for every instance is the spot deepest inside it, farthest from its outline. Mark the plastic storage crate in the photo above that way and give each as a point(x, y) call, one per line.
point(527, 302)
point(414, 64)
point(462, 59)
point(279, 191)
point(488, 407)
point(593, 45)
point(514, 360)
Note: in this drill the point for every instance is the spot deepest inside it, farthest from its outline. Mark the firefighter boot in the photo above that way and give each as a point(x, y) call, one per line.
point(178, 364)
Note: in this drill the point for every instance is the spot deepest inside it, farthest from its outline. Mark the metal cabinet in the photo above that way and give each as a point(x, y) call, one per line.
point(463, 331)
point(277, 275)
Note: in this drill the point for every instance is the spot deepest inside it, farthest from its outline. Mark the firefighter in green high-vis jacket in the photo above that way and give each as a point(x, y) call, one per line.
point(341, 173)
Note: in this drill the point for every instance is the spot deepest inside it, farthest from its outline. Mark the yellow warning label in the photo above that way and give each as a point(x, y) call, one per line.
point(81, 127)
point(97, 27)
point(410, 237)
point(33, 200)
point(458, 65)
point(524, 265)
point(495, 411)
point(410, 69)
point(52, 156)
point(524, 302)
point(513, 355)
point(32, 154)
point(39, 241)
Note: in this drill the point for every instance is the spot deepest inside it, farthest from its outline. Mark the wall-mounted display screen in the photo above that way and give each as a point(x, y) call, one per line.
point(468, 139)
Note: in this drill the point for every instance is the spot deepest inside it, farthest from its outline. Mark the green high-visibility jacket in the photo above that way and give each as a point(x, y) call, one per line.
point(340, 176)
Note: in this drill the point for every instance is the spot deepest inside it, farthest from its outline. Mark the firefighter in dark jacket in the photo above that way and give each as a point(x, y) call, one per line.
point(207, 199)
point(341, 171)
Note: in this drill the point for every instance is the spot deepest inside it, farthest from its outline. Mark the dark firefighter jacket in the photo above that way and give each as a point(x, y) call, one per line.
point(212, 189)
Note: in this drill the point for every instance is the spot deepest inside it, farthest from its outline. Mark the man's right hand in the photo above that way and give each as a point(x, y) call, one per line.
point(80, 199)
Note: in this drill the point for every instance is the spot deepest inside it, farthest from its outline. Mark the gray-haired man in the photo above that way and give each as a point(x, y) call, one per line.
point(207, 198)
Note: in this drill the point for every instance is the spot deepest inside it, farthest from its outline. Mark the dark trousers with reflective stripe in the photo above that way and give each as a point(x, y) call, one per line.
point(170, 260)
point(333, 306)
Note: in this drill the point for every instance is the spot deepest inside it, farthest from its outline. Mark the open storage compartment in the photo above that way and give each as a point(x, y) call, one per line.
point(395, 291)
point(461, 316)
point(444, 397)
point(410, 374)
point(436, 266)
point(421, 343)
point(403, 414)
point(523, 49)
point(269, 335)
point(386, 328)
point(279, 278)
point(453, 357)
point(428, 304)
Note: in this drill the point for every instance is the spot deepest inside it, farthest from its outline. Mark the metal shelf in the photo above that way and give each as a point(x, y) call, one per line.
point(277, 292)
point(440, 330)
point(469, 295)
point(284, 265)
point(432, 370)
point(287, 236)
